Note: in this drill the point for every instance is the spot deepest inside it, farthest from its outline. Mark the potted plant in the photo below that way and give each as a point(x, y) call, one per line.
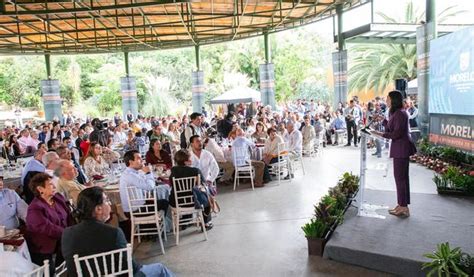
point(349, 184)
point(445, 261)
point(315, 233)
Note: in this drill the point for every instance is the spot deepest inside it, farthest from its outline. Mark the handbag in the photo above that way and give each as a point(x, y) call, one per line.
point(215, 208)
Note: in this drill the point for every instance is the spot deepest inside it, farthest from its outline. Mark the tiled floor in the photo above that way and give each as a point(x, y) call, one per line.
point(258, 233)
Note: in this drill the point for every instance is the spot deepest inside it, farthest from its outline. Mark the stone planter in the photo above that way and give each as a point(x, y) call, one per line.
point(316, 246)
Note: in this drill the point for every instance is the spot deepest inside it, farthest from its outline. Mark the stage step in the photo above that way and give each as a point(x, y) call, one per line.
point(395, 245)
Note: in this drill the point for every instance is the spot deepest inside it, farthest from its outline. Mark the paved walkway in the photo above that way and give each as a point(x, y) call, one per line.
point(258, 232)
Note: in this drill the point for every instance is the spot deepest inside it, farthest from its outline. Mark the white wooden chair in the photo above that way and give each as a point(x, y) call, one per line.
point(243, 168)
point(309, 151)
point(318, 144)
point(61, 269)
point(184, 205)
point(296, 158)
point(40, 271)
point(282, 166)
point(144, 211)
point(113, 263)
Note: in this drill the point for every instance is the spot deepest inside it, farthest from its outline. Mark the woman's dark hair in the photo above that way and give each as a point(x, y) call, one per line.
point(12, 144)
point(181, 157)
point(396, 100)
point(39, 180)
point(58, 134)
point(87, 200)
point(90, 152)
point(152, 142)
point(39, 145)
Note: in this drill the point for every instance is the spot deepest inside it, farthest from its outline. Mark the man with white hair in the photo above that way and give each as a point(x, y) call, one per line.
point(50, 161)
point(294, 139)
point(67, 185)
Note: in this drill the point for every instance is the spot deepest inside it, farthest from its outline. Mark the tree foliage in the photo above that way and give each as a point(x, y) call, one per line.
point(376, 66)
point(91, 83)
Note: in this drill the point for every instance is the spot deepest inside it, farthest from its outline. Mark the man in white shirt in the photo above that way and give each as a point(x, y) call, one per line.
point(12, 207)
point(194, 128)
point(261, 175)
point(139, 176)
point(203, 160)
point(294, 139)
point(227, 166)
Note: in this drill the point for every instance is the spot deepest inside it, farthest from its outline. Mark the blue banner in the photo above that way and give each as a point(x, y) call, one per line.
point(451, 80)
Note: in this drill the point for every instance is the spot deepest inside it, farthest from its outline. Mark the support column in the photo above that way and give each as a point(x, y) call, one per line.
point(267, 77)
point(128, 90)
point(424, 34)
point(339, 64)
point(198, 88)
point(51, 95)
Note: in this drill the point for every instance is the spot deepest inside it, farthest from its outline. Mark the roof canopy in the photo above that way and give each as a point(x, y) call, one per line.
point(100, 26)
point(238, 95)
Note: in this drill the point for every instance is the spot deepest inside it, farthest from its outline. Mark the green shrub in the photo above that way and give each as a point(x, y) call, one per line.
point(316, 228)
point(445, 261)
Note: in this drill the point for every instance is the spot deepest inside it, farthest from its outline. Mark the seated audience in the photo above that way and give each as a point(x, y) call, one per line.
point(337, 126)
point(181, 170)
point(92, 236)
point(12, 149)
point(294, 139)
point(12, 207)
point(50, 162)
point(47, 217)
point(203, 160)
point(270, 150)
point(53, 144)
point(130, 143)
point(31, 168)
point(260, 136)
point(212, 146)
point(157, 156)
point(136, 175)
point(308, 134)
point(68, 185)
point(34, 140)
point(260, 176)
point(119, 137)
point(66, 154)
point(26, 143)
point(95, 165)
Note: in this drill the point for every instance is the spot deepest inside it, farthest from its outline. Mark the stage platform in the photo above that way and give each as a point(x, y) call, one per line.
point(397, 245)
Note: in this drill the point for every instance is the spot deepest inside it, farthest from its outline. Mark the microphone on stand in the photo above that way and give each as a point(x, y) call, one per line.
point(366, 130)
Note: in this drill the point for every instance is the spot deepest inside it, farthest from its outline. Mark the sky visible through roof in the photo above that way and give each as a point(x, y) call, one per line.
point(396, 9)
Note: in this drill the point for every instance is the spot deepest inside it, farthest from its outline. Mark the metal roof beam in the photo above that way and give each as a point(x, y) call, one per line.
point(94, 8)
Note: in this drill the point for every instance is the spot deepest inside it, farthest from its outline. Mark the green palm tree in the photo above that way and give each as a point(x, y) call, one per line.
point(376, 66)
